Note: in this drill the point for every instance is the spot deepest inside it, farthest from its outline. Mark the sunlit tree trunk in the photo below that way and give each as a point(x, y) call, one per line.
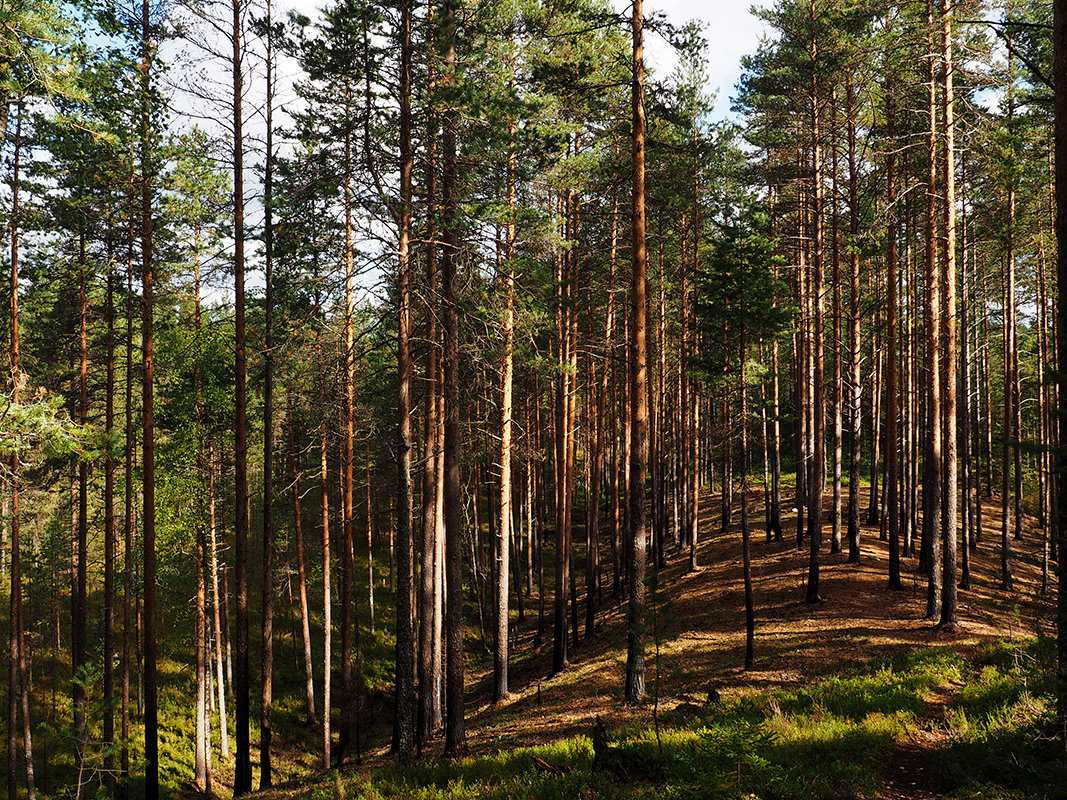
point(18, 674)
point(500, 655)
point(854, 332)
point(301, 565)
point(267, 581)
point(405, 644)
point(635, 657)
point(838, 398)
point(202, 735)
point(455, 722)
point(148, 461)
point(930, 556)
point(949, 335)
point(817, 471)
point(891, 358)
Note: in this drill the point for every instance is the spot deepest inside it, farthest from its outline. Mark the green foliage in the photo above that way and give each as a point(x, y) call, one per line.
point(34, 37)
point(40, 430)
point(739, 299)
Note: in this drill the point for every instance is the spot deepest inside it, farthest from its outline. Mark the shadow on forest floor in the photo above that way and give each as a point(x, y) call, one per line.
point(858, 696)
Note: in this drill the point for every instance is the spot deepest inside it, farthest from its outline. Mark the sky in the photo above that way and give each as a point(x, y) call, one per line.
point(730, 28)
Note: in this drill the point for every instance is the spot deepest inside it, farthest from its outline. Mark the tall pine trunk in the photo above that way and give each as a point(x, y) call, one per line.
point(949, 335)
point(930, 556)
point(242, 781)
point(854, 333)
point(891, 358)
point(635, 638)
point(455, 722)
point(817, 471)
point(148, 458)
point(500, 655)
point(405, 645)
point(267, 581)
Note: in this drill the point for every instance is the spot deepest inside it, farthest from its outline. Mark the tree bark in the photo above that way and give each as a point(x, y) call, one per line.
point(148, 460)
point(428, 671)
point(455, 724)
point(817, 472)
point(242, 781)
point(109, 526)
point(948, 288)
point(301, 565)
point(1060, 69)
point(267, 582)
point(854, 333)
point(327, 601)
point(500, 655)
point(891, 358)
point(405, 645)
point(18, 674)
point(930, 557)
point(635, 639)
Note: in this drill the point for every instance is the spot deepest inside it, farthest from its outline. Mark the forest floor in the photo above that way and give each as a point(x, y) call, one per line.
point(700, 625)
point(858, 696)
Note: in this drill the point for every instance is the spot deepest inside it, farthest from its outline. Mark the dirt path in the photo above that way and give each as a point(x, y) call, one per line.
point(911, 775)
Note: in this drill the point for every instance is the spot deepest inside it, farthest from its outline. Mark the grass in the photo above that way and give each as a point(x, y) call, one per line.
point(831, 739)
point(999, 727)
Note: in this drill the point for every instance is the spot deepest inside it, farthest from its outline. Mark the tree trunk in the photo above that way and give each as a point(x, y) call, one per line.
point(838, 399)
point(948, 288)
point(301, 566)
point(129, 446)
point(970, 516)
point(327, 604)
point(405, 645)
point(242, 781)
point(635, 639)
point(349, 690)
point(746, 538)
point(202, 731)
point(854, 333)
point(18, 674)
point(930, 557)
point(218, 599)
point(891, 358)
point(817, 471)
point(429, 588)
point(267, 582)
point(79, 611)
point(109, 528)
point(500, 659)
point(148, 459)
point(1060, 70)
point(455, 724)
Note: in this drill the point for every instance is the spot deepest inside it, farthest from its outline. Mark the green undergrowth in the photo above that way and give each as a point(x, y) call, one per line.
point(999, 727)
point(833, 738)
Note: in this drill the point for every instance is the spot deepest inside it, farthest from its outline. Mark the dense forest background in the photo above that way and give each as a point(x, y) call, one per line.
point(366, 372)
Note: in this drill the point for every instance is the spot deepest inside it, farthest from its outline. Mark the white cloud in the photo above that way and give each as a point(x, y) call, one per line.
point(731, 29)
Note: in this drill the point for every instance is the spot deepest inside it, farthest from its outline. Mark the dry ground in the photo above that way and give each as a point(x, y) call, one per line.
point(699, 623)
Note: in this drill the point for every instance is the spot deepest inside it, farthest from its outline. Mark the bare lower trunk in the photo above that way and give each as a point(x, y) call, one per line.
point(635, 657)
